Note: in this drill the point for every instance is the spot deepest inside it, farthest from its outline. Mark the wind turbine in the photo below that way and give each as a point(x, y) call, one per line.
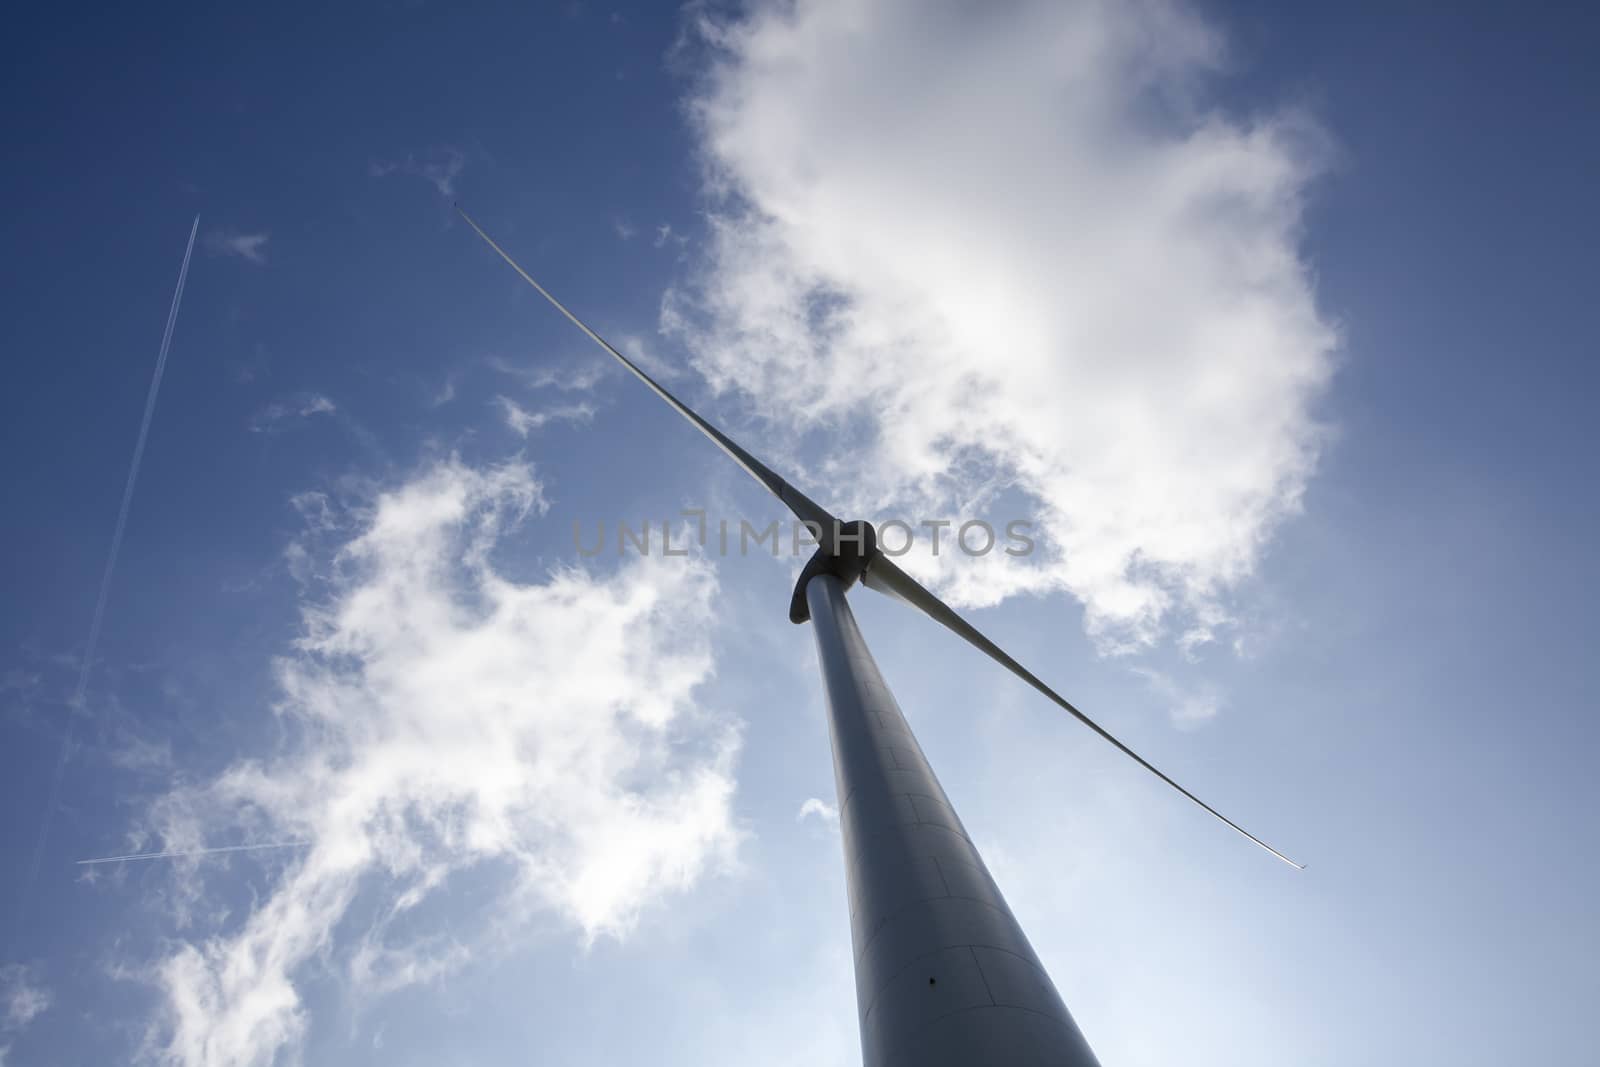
point(944, 974)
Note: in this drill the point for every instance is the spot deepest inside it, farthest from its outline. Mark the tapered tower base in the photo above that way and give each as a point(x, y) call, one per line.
point(944, 975)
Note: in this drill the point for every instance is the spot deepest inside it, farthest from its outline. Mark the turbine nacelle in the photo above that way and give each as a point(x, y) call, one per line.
point(844, 551)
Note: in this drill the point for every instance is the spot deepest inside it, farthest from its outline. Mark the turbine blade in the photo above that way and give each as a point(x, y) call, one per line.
point(803, 507)
point(886, 577)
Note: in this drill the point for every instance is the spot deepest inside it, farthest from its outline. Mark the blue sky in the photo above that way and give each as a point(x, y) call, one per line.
point(1275, 324)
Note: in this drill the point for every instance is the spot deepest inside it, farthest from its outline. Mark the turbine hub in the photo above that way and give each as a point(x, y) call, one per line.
point(845, 553)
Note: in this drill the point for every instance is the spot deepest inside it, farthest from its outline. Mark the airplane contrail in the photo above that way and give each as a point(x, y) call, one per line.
point(181, 853)
point(105, 581)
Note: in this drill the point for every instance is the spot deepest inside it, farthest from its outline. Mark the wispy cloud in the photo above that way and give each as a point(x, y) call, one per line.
point(250, 246)
point(821, 810)
point(1088, 288)
point(17, 680)
point(301, 406)
point(22, 996)
point(1188, 705)
point(523, 422)
point(577, 376)
point(447, 718)
point(624, 229)
point(633, 346)
point(445, 393)
point(440, 169)
point(135, 753)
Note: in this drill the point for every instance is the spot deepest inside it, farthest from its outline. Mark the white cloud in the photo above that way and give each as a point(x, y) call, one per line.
point(624, 228)
point(302, 406)
point(250, 246)
point(440, 169)
point(22, 997)
point(577, 376)
point(454, 727)
point(523, 422)
point(1189, 705)
point(135, 753)
point(17, 680)
point(445, 394)
point(821, 809)
point(633, 346)
point(1019, 244)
